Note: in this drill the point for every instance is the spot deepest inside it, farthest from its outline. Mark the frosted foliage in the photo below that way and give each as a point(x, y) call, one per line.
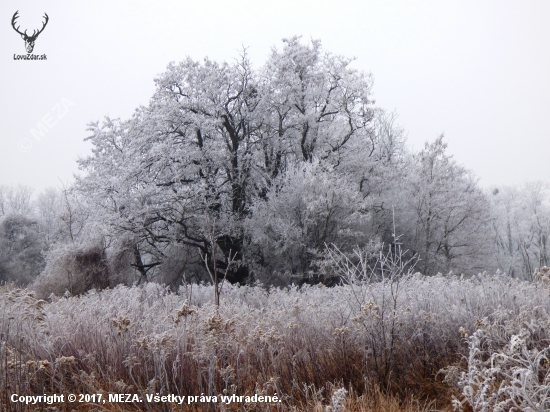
point(73, 270)
point(395, 334)
point(213, 141)
point(49, 206)
point(314, 206)
point(449, 216)
point(514, 377)
point(521, 226)
point(20, 249)
point(15, 200)
point(338, 398)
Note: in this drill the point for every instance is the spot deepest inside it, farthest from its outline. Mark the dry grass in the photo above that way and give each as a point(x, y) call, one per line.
point(385, 346)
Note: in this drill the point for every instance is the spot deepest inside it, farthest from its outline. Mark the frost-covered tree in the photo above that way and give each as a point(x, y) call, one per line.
point(49, 208)
point(21, 247)
point(211, 142)
point(264, 167)
point(521, 227)
point(379, 166)
point(310, 206)
point(444, 216)
point(15, 200)
point(315, 105)
point(176, 163)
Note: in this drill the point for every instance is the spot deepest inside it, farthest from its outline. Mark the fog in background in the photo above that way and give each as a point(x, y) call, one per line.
point(477, 71)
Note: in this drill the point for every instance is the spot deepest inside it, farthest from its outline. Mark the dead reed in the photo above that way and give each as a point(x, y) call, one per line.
point(385, 346)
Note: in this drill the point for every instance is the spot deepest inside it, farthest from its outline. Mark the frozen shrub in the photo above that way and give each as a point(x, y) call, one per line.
point(21, 247)
point(338, 398)
point(514, 377)
point(73, 269)
point(312, 206)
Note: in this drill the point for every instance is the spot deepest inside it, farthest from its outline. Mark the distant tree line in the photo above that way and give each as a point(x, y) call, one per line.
point(253, 175)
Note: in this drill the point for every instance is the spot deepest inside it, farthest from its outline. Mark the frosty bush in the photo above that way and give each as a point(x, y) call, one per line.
point(74, 270)
point(338, 398)
point(513, 378)
point(313, 206)
point(20, 249)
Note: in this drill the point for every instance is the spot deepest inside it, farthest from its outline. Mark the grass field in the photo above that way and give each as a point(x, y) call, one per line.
point(406, 344)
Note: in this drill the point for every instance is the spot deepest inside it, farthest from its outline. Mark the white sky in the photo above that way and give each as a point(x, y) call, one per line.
point(478, 71)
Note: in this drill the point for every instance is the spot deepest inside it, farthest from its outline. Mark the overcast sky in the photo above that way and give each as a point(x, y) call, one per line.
point(477, 71)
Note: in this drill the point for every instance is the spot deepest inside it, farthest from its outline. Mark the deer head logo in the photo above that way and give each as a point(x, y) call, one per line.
point(29, 40)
